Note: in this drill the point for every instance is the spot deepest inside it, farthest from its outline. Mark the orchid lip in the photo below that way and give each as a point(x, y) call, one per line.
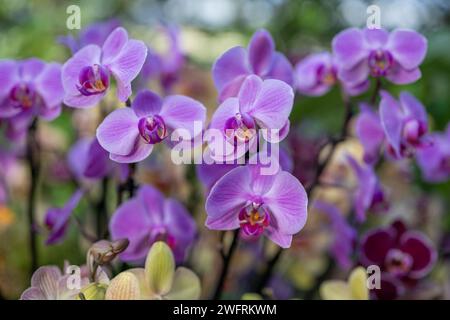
point(93, 80)
point(240, 128)
point(23, 96)
point(398, 262)
point(326, 75)
point(152, 129)
point(254, 219)
point(380, 62)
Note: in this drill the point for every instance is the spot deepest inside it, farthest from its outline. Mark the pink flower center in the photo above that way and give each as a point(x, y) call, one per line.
point(152, 129)
point(161, 234)
point(413, 130)
point(326, 75)
point(380, 62)
point(93, 80)
point(24, 96)
point(398, 262)
point(240, 128)
point(253, 219)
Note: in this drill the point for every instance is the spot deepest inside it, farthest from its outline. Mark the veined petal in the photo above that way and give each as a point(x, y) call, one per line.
point(119, 131)
point(260, 52)
point(140, 151)
point(160, 268)
point(273, 104)
point(391, 120)
point(146, 103)
point(349, 48)
point(230, 65)
point(114, 44)
point(288, 203)
point(186, 286)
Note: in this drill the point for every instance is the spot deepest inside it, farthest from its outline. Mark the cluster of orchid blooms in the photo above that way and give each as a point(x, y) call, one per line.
point(256, 91)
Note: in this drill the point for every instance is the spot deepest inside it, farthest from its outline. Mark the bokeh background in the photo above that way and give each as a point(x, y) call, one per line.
point(208, 28)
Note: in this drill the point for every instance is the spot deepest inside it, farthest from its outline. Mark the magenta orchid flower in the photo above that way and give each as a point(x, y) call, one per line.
point(129, 134)
point(404, 256)
point(369, 195)
point(274, 205)
point(87, 75)
point(404, 122)
point(95, 33)
point(149, 217)
point(29, 88)
point(261, 104)
point(434, 159)
point(370, 133)
point(57, 219)
point(376, 52)
point(317, 74)
point(260, 58)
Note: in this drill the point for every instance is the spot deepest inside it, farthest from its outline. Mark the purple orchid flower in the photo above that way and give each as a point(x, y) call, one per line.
point(275, 205)
point(261, 104)
point(434, 159)
point(370, 133)
point(165, 67)
point(48, 283)
point(344, 235)
point(404, 122)
point(404, 257)
point(209, 172)
point(317, 74)
point(95, 33)
point(260, 58)
point(149, 217)
point(29, 88)
point(376, 52)
point(57, 219)
point(129, 134)
point(86, 76)
point(369, 195)
point(88, 160)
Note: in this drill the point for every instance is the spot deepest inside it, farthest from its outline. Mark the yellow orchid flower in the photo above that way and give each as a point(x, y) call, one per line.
point(353, 289)
point(158, 280)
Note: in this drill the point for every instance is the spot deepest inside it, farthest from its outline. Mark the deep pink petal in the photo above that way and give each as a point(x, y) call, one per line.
point(375, 245)
point(119, 131)
point(421, 249)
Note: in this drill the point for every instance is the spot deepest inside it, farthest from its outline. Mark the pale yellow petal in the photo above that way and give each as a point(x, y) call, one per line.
point(358, 284)
point(335, 290)
point(160, 268)
point(186, 286)
point(124, 286)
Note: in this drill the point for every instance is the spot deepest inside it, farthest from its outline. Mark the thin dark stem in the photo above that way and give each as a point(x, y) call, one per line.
point(84, 233)
point(373, 99)
point(270, 267)
point(102, 211)
point(34, 164)
point(226, 264)
point(131, 184)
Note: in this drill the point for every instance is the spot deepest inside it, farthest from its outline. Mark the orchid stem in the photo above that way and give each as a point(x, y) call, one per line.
point(226, 264)
point(267, 273)
point(34, 163)
point(102, 212)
